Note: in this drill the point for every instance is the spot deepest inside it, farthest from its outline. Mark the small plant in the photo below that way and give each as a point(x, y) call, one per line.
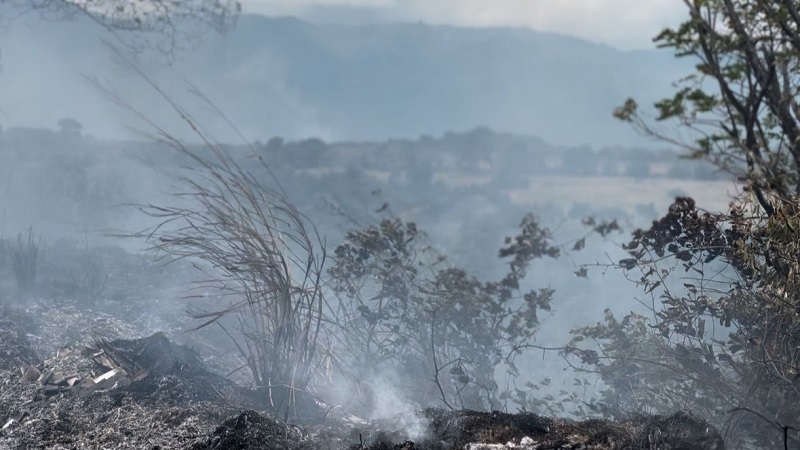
point(24, 254)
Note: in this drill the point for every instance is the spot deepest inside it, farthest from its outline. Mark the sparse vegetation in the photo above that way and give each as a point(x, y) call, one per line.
point(81, 272)
point(403, 311)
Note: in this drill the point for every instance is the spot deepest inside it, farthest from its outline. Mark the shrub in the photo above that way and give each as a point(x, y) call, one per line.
point(724, 337)
point(405, 312)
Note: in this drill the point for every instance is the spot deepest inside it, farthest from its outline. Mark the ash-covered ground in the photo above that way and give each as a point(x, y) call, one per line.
point(97, 369)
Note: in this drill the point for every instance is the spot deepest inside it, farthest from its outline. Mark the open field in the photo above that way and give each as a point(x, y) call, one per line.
point(622, 192)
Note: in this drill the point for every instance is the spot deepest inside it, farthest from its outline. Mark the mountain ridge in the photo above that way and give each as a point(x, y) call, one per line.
point(293, 78)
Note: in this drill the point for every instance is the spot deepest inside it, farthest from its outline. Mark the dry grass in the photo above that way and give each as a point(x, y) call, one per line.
point(261, 253)
point(254, 247)
point(24, 255)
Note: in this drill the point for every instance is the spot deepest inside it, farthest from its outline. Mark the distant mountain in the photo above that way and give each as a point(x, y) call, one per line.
point(287, 77)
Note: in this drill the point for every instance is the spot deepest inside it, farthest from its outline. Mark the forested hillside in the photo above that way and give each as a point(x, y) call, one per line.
point(287, 77)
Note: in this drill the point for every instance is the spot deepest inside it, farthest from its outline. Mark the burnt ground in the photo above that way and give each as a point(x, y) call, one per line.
point(161, 395)
point(88, 365)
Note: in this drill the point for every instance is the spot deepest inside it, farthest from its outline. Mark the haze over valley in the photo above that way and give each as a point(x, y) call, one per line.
point(372, 226)
point(296, 79)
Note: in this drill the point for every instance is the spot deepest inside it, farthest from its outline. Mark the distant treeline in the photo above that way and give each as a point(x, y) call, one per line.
point(484, 152)
point(480, 151)
point(457, 186)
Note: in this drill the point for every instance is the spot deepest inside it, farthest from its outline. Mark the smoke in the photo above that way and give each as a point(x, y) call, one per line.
point(392, 406)
point(46, 65)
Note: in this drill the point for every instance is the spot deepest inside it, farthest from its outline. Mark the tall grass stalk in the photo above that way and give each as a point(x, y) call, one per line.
point(24, 255)
point(255, 246)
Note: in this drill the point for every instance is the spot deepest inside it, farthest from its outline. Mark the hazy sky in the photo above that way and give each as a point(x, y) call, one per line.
point(621, 23)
